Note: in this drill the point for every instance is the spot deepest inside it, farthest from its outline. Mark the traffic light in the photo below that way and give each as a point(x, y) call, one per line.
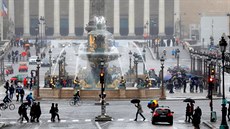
point(102, 75)
point(213, 72)
point(211, 79)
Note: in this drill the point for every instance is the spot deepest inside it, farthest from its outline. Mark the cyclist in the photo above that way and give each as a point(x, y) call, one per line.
point(76, 96)
point(6, 99)
point(30, 99)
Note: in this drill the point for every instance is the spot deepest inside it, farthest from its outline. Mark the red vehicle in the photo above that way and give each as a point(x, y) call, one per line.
point(162, 114)
point(23, 67)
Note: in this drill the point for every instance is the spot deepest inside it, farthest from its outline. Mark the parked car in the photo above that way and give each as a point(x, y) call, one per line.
point(162, 114)
point(23, 67)
point(32, 60)
point(9, 69)
point(45, 62)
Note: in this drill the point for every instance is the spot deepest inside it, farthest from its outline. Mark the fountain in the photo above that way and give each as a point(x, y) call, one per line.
point(99, 47)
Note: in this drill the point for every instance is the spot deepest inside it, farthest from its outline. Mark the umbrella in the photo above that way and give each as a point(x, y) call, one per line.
point(23, 53)
point(135, 101)
point(167, 77)
point(189, 100)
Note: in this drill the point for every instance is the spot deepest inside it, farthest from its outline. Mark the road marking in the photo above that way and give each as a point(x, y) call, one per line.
point(98, 126)
point(181, 121)
point(49, 121)
point(13, 122)
point(63, 121)
point(87, 120)
point(75, 120)
point(131, 119)
point(120, 119)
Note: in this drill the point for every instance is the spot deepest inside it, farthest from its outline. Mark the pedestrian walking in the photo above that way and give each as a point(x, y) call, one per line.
point(196, 118)
point(188, 113)
point(23, 113)
point(184, 84)
point(9, 56)
point(22, 93)
point(7, 85)
point(38, 111)
point(32, 112)
point(17, 91)
point(52, 112)
point(56, 112)
point(11, 91)
point(139, 111)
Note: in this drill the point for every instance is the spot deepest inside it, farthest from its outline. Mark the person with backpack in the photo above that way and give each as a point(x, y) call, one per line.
point(30, 99)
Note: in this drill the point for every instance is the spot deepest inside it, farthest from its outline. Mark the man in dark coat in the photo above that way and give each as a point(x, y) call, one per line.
point(32, 112)
point(52, 112)
point(7, 85)
point(38, 111)
point(196, 118)
point(22, 112)
point(56, 112)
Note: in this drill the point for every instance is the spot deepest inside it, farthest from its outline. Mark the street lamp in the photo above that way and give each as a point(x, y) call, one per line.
point(64, 53)
point(219, 74)
point(136, 64)
point(147, 26)
point(36, 41)
point(42, 22)
point(130, 59)
point(144, 51)
point(177, 57)
point(38, 66)
point(50, 56)
point(162, 79)
point(224, 125)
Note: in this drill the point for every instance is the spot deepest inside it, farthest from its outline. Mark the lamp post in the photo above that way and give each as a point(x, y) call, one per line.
point(50, 56)
point(38, 67)
point(177, 57)
point(36, 41)
point(162, 79)
point(130, 61)
point(64, 54)
point(42, 22)
point(136, 65)
point(219, 74)
point(103, 116)
point(224, 125)
point(147, 29)
point(144, 51)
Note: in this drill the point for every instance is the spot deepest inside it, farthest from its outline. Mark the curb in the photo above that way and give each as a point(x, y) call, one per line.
point(209, 125)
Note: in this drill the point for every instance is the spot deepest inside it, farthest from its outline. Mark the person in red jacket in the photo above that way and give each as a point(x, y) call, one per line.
point(25, 82)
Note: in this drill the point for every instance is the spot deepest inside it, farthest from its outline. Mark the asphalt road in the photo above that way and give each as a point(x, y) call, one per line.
point(122, 112)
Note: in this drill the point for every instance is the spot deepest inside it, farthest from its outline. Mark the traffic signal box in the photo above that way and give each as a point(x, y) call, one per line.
point(102, 76)
point(212, 76)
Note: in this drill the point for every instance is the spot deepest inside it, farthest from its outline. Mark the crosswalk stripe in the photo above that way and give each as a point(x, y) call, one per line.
point(181, 121)
point(120, 119)
point(75, 120)
point(63, 121)
point(131, 119)
point(87, 120)
point(13, 122)
point(49, 121)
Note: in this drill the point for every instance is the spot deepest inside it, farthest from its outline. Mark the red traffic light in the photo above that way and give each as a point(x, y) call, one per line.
point(211, 79)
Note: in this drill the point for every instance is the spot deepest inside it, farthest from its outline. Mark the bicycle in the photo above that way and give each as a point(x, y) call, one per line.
point(73, 102)
point(9, 105)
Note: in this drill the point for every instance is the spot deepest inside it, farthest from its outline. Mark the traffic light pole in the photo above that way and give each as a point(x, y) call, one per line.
point(103, 116)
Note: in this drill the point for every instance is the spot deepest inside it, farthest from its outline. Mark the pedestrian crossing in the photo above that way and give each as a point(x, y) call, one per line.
point(80, 121)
